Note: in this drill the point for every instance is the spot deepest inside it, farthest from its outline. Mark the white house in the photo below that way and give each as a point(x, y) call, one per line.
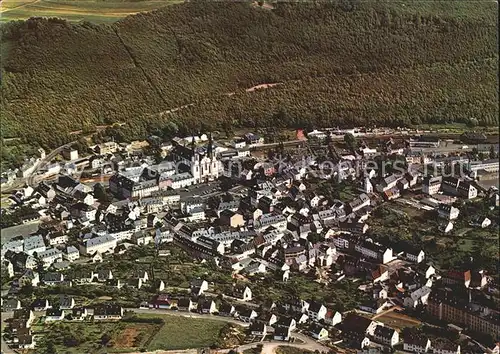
point(333, 318)
point(34, 244)
point(71, 254)
point(53, 315)
point(209, 306)
point(49, 256)
point(247, 315)
point(316, 311)
point(386, 335)
point(419, 296)
point(448, 212)
point(57, 239)
point(318, 332)
point(242, 292)
point(415, 343)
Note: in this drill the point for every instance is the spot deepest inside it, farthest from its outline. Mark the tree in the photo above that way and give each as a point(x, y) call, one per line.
point(350, 140)
point(105, 338)
point(49, 347)
point(100, 193)
point(493, 153)
point(314, 237)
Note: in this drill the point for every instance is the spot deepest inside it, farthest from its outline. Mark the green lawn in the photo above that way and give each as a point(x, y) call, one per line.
point(78, 10)
point(183, 333)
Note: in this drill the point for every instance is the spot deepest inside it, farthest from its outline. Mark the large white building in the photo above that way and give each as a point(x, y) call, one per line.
point(34, 244)
point(99, 244)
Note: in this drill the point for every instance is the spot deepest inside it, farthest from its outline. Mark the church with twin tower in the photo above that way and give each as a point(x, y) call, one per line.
point(202, 162)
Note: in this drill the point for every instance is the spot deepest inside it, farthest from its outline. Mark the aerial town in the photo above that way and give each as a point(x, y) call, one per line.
point(327, 241)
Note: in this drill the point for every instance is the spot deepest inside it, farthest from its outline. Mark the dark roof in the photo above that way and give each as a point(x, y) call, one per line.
point(25, 339)
point(385, 332)
point(257, 326)
point(184, 302)
point(245, 312)
point(315, 328)
point(415, 339)
point(444, 344)
point(314, 306)
point(196, 283)
point(21, 314)
point(282, 331)
point(77, 311)
point(355, 323)
point(225, 307)
point(53, 312)
point(106, 310)
point(52, 276)
point(284, 321)
point(39, 303)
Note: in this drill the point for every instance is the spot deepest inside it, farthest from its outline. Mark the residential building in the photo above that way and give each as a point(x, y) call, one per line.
point(242, 292)
point(316, 311)
point(431, 185)
point(258, 329)
point(71, 254)
point(318, 332)
point(34, 244)
point(448, 212)
point(101, 244)
point(386, 335)
point(52, 315)
point(416, 343)
point(448, 306)
point(108, 312)
point(282, 333)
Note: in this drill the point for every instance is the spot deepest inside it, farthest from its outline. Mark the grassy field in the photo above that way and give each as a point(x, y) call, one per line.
point(77, 10)
point(182, 333)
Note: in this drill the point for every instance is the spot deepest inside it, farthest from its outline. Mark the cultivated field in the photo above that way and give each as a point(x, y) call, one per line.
point(104, 11)
point(398, 320)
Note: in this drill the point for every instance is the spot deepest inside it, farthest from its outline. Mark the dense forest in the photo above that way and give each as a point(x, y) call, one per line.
point(338, 63)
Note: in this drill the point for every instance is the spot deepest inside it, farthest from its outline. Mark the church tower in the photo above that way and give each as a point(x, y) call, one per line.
point(195, 162)
point(367, 185)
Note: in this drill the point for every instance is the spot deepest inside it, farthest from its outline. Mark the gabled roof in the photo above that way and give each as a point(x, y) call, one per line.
point(355, 323)
point(384, 332)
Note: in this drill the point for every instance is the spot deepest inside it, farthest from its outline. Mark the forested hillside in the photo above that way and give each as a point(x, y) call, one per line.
point(348, 63)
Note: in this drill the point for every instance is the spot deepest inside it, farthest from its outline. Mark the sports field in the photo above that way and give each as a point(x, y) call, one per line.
point(103, 11)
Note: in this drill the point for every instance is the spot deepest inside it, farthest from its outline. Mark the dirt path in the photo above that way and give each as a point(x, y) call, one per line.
point(18, 6)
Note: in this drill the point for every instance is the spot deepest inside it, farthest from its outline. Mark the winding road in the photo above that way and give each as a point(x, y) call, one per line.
point(32, 177)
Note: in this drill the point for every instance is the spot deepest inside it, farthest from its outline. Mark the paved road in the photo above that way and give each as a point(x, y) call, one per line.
point(32, 178)
point(270, 347)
